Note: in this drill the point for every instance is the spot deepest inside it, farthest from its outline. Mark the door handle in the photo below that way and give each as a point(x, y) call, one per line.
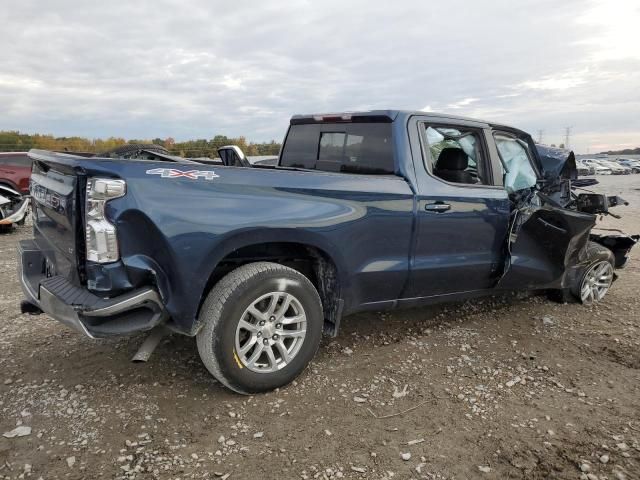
point(437, 207)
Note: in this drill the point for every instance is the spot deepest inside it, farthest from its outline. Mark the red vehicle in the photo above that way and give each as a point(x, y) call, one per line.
point(15, 171)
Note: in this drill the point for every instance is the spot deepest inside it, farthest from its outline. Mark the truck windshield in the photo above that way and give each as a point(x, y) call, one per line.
point(364, 148)
point(519, 173)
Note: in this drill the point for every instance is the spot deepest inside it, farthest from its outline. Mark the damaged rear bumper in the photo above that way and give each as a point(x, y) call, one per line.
point(78, 308)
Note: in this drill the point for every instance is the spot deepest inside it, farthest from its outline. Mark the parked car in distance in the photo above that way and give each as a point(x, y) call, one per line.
point(634, 165)
point(584, 169)
point(15, 171)
point(597, 166)
point(616, 168)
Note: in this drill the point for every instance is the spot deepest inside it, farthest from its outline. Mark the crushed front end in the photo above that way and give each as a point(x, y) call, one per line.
point(553, 224)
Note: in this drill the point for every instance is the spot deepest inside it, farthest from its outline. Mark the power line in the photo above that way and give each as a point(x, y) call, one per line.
point(567, 136)
point(540, 132)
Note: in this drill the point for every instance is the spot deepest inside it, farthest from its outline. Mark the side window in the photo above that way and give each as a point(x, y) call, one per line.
point(456, 155)
point(364, 148)
point(518, 174)
point(300, 147)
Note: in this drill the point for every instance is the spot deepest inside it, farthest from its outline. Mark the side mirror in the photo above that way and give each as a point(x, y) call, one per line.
point(233, 156)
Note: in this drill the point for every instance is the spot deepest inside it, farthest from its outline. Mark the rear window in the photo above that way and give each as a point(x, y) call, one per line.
point(340, 147)
point(19, 160)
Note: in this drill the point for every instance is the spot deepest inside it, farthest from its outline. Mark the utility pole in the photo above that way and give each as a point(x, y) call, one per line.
point(540, 132)
point(567, 137)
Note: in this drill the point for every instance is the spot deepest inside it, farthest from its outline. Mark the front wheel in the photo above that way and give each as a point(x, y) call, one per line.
point(261, 326)
point(595, 279)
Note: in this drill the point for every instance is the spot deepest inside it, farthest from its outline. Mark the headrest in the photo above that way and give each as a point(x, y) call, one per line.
point(452, 159)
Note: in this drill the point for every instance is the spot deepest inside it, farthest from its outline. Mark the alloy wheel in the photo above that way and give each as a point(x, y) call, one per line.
point(270, 332)
point(596, 282)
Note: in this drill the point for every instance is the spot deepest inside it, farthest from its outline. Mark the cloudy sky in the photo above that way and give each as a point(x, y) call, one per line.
point(193, 69)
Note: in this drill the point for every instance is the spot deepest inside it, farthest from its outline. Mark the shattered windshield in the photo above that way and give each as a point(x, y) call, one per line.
point(519, 174)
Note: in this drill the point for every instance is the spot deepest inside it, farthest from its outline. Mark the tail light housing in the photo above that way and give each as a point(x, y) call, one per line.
point(102, 240)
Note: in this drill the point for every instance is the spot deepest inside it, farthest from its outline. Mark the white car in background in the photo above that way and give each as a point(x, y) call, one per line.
point(616, 168)
point(584, 169)
point(599, 168)
point(634, 165)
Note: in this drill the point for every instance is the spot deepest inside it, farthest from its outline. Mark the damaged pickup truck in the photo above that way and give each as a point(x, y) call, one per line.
point(363, 211)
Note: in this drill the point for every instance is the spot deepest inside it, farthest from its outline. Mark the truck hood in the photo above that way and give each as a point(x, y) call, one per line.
point(559, 172)
point(557, 163)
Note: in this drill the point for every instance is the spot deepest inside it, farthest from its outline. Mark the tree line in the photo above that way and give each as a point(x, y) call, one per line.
point(626, 151)
point(14, 141)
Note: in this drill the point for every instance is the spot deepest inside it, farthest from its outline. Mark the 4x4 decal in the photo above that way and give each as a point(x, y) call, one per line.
point(190, 174)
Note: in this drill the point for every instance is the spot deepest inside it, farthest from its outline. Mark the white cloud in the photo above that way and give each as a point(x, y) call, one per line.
point(462, 103)
point(193, 69)
point(614, 26)
point(553, 83)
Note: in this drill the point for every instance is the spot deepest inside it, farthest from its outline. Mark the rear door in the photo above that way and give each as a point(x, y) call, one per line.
point(462, 208)
point(373, 231)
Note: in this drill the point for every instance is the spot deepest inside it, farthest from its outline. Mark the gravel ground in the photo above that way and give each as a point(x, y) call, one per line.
point(515, 387)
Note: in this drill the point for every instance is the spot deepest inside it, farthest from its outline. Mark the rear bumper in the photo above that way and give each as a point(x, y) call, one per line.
point(78, 308)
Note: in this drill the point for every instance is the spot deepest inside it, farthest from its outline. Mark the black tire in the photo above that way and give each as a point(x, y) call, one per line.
point(594, 254)
point(223, 309)
point(132, 148)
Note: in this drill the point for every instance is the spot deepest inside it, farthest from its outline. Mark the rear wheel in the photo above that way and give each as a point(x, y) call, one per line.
point(261, 325)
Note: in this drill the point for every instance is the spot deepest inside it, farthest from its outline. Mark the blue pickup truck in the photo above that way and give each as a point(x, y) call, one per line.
point(362, 211)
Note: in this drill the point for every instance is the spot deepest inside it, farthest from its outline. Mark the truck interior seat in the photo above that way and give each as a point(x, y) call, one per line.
point(451, 166)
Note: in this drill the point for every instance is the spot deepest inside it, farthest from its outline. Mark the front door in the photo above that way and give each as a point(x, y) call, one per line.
point(462, 214)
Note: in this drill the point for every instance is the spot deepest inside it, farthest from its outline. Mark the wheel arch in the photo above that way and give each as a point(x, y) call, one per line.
point(308, 254)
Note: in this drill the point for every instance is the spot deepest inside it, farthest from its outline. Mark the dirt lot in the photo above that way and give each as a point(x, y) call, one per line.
point(498, 388)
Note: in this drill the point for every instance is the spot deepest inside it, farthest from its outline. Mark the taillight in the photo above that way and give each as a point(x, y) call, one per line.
point(102, 241)
point(339, 117)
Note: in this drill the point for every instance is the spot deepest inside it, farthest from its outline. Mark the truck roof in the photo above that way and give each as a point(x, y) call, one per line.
point(385, 116)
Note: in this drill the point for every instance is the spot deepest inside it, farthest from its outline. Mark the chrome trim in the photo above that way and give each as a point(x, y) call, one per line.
point(126, 304)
